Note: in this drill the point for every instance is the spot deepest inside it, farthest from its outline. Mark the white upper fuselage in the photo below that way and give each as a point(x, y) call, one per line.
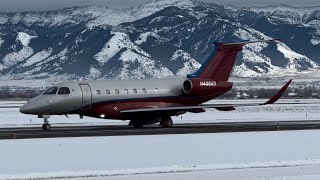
point(100, 91)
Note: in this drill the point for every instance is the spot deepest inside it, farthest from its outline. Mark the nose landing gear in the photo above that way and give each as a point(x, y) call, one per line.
point(46, 125)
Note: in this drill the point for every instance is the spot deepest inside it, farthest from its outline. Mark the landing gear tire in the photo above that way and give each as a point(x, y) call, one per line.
point(46, 127)
point(167, 124)
point(166, 121)
point(137, 124)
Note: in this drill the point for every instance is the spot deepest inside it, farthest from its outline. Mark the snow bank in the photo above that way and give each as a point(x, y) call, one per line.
point(162, 170)
point(139, 152)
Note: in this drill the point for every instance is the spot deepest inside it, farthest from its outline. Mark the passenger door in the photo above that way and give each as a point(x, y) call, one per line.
point(86, 96)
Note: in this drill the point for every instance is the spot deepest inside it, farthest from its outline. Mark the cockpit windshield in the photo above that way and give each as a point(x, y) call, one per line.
point(64, 90)
point(52, 90)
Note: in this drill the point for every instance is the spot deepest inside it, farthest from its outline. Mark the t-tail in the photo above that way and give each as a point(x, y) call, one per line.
point(219, 65)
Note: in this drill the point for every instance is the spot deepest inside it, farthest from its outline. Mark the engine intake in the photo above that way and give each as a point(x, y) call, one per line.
point(187, 86)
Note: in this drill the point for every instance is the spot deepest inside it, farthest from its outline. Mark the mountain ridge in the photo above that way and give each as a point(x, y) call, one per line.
point(158, 39)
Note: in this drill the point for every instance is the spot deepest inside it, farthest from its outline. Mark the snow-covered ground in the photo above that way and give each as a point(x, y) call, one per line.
point(285, 155)
point(126, 157)
point(11, 117)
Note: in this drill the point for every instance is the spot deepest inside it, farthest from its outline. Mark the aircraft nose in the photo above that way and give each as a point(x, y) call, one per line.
point(35, 106)
point(26, 109)
point(31, 108)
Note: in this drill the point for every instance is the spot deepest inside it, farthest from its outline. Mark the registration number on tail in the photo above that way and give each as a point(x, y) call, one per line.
point(208, 83)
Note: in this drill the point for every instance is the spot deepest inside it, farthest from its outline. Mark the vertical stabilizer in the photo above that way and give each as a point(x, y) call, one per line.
point(219, 65)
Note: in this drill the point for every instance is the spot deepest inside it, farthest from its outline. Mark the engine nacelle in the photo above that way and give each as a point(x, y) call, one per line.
point(187, 86)
point(205, 87)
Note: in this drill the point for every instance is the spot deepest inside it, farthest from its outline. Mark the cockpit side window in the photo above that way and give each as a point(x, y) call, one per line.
point(52, 90)
point(64, 90)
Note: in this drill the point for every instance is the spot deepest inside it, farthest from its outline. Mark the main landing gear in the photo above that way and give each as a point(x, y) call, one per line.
point(137, 124)
point(166, 122)
point(46, 126)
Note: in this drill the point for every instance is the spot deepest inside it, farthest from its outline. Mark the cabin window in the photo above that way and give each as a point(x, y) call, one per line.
point(117, 91)
point(98, 92)
point(52, 90)
point(126, 91)
point(156, 90)
point(135, 91)
point(108, 92)
point(64, 90)
point(144, 90)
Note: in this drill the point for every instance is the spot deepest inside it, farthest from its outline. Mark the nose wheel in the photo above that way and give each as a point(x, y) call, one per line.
point(46, 125)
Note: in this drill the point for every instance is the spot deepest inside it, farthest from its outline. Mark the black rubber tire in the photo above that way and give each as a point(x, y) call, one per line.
point(48, 126)
point(137, 124)
point(167, 124)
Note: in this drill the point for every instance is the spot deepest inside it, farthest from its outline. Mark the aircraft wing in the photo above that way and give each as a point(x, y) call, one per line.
point(222, 107)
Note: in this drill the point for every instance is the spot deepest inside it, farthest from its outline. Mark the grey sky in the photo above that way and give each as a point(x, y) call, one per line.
point(25, 5)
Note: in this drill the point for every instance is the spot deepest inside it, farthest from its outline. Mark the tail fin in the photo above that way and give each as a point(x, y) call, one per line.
point(220, 63)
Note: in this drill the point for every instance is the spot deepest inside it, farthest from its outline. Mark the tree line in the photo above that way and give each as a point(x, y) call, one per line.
point(7, 93)
point(263, 93)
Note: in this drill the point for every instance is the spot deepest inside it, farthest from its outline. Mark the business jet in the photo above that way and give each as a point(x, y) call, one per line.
point(146, 101)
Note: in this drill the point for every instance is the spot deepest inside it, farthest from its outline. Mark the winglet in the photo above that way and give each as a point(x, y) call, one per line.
point(279, 94)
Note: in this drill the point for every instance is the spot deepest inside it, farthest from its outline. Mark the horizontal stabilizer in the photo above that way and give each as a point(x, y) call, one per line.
point(246, 42)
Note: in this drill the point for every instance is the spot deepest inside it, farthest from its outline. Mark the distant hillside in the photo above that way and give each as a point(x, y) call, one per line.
point(158, 39)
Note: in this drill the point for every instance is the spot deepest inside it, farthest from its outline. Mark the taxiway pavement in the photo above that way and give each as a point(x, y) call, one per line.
point(123, 130)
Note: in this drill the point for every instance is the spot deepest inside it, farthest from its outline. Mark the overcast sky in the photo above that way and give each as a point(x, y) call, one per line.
point(25, 5)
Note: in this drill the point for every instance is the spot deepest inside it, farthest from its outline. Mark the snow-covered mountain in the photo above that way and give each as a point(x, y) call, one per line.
point(157, 39)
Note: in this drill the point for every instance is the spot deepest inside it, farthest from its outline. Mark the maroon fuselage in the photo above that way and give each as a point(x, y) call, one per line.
point(200, 93)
